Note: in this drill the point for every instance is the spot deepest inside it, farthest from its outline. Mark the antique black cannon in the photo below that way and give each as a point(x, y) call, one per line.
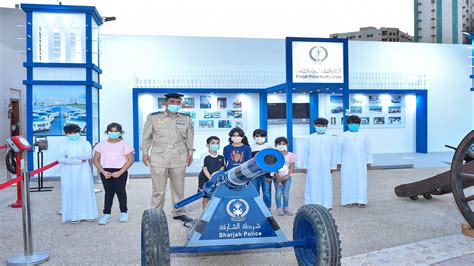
point(458, 178)
point(236, 218)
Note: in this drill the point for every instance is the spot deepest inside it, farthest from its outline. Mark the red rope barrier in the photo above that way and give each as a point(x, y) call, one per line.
point(32, 173)
point(44, 168)
point(3, 147)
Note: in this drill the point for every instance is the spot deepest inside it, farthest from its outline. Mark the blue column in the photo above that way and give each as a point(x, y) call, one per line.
point(263, 111)
point(136, 138)
point(422, 122)
point(289, 117)
point(313, 110)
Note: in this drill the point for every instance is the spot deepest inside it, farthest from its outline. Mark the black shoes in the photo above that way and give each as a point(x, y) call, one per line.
point(183, 218)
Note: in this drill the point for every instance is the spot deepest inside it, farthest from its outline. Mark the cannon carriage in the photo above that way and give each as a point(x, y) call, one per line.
point(236, 218)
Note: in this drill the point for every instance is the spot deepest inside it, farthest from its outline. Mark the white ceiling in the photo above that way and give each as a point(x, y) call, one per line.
point(245, 18)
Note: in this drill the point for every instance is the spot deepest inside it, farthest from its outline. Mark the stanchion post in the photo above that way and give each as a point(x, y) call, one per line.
point(25, 191)
point(29, 257)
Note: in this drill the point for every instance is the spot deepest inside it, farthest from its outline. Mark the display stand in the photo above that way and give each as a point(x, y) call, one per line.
point(42, 144)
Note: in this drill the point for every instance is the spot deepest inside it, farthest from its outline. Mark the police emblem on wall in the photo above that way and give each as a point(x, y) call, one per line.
point(318, 54)
point(237, 209)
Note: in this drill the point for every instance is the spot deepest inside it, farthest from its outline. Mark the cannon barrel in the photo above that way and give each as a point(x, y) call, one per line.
point(266, 161)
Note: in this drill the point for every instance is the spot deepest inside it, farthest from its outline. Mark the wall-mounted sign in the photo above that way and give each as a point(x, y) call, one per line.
point(318, 62)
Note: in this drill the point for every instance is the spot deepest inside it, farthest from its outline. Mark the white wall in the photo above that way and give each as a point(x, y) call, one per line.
point(448, 84)
point(154, 56)
point(449, 97)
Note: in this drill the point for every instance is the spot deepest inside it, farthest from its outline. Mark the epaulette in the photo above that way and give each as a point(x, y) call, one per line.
point(156, 113)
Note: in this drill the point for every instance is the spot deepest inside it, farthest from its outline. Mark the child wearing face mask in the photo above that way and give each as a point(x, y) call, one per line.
point(355, 159)
point(112, 159)
point(265, 181)
point(238, 151)
point(77, 186)
point(212, 163)
point(283, 177)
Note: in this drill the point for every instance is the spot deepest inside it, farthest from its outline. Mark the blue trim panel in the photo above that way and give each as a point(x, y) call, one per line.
point(90, 126)
point(91, 10)
point(263, 111)
point(88, 39)
point(422, 122)
point(313, 110)
point(62, 82)
point(198, 90)
point(63, 65)
point(29, 127)
point(289, 118)
point(279, 87)
point(136, 138)
point(29, 37)
point(388, 91)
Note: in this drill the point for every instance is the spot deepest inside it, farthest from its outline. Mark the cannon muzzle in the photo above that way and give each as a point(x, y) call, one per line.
point(266, 161)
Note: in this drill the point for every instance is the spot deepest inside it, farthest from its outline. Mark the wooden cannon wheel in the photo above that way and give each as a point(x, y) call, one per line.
point(457, 174)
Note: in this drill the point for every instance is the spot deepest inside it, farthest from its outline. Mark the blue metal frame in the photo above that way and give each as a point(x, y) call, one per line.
point(137, 91)
point(313, 110)
point(308, 242)
point(90, 10)
point(90, 85)
point(293, 87)
point(264, 111)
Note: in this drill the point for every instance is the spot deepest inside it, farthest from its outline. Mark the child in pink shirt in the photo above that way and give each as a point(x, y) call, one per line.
point(112, 159)
point(283, 177)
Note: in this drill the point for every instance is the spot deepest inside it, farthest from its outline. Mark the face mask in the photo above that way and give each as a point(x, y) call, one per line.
point(260, 140)
point(114, 135)
point(74, 137)
point(236, 139)
point(282, 147)
point(354, 127)
point(173, 108)
point(320, 130)
point(214, 147)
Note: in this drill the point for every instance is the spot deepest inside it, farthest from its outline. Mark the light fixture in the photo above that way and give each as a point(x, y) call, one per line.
point(107, 19)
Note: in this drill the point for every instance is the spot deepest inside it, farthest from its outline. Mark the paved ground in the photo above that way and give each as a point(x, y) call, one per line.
point(387, 222)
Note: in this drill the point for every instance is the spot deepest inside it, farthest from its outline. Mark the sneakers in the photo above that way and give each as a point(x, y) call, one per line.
point(104, 219)
point(287, 211)
point(123, 217)
point(280, 211)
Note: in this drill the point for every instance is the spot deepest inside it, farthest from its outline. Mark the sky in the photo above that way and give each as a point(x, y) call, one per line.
point(245, 18)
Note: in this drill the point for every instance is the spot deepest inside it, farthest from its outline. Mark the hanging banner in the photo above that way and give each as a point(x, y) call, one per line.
point(318, 62)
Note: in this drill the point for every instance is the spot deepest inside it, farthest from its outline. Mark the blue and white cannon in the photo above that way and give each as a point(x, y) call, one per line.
point(236, 218)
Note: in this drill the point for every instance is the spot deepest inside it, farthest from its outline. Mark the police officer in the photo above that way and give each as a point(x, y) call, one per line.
point(168, 148)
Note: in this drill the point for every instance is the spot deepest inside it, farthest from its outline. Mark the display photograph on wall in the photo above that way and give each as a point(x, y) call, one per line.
point(208, 111)
point(53, 108)
point(379, 110)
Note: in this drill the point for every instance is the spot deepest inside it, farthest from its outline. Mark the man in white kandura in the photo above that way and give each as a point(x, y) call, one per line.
point(319, 161)
point(77, 187)
point(356, 157)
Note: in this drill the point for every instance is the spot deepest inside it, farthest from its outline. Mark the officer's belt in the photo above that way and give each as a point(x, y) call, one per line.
point(169, 146)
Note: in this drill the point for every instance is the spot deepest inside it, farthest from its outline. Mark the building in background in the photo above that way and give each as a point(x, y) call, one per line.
point(374, 34)
point(438, 21)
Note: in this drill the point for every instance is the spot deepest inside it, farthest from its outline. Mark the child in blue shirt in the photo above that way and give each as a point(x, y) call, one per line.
point(238, 151)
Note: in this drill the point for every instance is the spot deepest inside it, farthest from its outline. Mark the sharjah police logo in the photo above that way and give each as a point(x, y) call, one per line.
point(318, 54)
point(237, 209)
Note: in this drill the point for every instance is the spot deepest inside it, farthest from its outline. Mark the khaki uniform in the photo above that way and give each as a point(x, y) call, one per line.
point(168, 140)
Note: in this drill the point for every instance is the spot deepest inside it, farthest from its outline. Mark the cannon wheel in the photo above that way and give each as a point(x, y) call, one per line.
point(313, 220)
point(155, 238)
point(456, 177)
